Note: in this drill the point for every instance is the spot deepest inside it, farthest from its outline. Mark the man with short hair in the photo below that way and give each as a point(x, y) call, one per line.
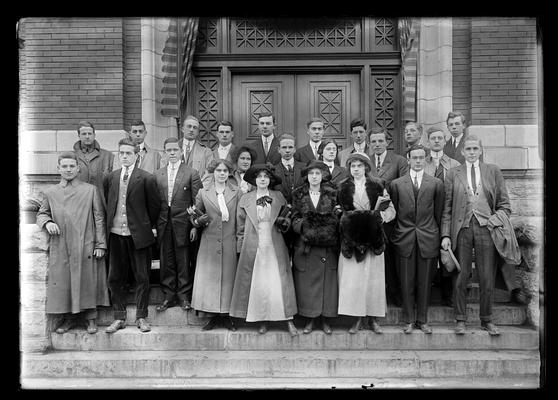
point(388, 166)
point(288, 169)
point(438, 164)
point(474, 192)
point(132, 210)
point(148, 159)
point(178, 186)
point(309, 152)
point(225, 147)
point(94, 163)
point(73, 216)
point(456, 123)
point(358, 136)
point(266, 146)
point(418, 199)
point(413, 135)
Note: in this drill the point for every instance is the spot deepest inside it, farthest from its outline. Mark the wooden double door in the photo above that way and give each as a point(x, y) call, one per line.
point(294, 99)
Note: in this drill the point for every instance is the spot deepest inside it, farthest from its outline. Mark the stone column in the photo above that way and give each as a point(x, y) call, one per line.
point(35, 327)
point(153, 37)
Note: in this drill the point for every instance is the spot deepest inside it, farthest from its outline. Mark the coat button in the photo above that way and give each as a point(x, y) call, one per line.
point(323, 260)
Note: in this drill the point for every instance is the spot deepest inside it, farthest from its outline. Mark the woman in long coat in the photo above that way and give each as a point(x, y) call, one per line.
point(361, 263)
point(263, 287)
point(316, 247)
point(216, 260)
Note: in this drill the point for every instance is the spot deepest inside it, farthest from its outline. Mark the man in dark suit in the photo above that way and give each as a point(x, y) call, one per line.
point(266, 146)
point(474, 192)
point(456, 126)
point(132, 210)
point(178, 186)
point(315, 130)
point(388, 166)
point(288, 168)
point(418, 199)
point(358, 136)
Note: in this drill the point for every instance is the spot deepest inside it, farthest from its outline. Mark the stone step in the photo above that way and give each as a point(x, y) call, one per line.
point(156, 295)
point(283, 364)
point(276, 339)
point(503, 314)
point(528, 382)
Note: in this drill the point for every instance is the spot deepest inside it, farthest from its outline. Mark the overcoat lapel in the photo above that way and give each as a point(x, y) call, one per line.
point(212, 196)
point(462, 176)
point(409, 187)
point(178, 179)
point(275, 208)
point(484, 183)
point(230, 193)
point(251, 207)
point(385, 165)
point(135, 176)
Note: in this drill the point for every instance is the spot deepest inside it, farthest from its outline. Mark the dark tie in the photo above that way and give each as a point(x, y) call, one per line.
point(288, 176)
point(439, 172)
point(454, 143)
point(473, 178)
point(289, 168)
point(266, 146)
point(378, 165)
point(415, 187)
point(125, 178)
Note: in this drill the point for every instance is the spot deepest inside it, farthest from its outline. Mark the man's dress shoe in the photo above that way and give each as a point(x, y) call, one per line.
point(65, 326)
point(91, 326)
point(491, 328)
point(186, 305)
point(116, 325)
point(143, 325)
point(408, 328)
point(425, 328)
point(166, 304)
point(309, 326)
point(460, 328)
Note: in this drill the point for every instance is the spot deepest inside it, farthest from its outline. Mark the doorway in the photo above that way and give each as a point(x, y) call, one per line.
point(294, 99)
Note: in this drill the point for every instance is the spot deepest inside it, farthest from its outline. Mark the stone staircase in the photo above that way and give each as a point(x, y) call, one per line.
point(177, 354)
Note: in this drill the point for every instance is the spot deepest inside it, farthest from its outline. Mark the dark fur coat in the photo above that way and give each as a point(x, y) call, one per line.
point(360, 230)
point(317, 227)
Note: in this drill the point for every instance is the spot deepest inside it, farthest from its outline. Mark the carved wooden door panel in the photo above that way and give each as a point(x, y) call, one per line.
point(335, 98)
point(256, 94)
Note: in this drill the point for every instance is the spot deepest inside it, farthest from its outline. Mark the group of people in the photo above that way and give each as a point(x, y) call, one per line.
point(263, 230)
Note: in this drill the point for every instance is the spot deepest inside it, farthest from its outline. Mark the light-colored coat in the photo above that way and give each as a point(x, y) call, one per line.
point(77, 280)
point(446, 162)
point(247, 244)
point(94, 167)
point(455, 186)
point(216, 261)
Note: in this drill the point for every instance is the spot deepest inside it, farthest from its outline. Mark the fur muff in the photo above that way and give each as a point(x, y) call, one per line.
point(320, 229)
point(361, 230)
point(374, 187)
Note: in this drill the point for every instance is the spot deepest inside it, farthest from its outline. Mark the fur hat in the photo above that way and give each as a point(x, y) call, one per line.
point(313, 164)
point(358, 156)
point(252, 172)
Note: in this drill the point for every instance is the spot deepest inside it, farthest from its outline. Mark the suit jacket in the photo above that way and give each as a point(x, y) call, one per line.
point(216, 153)
point(151, 161)
point(273, 156)
point(142, 204)
point(338, 175)
point(186, 186)
point(283, 187)
point(200, 156)
point(446, 162)
point(393, 167)
point(420, 221)
point(304, 154)
point(344, 154)
point(455, 186)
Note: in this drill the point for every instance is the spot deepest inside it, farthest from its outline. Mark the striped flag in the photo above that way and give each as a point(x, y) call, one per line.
point(409, 35)
point(177, 57)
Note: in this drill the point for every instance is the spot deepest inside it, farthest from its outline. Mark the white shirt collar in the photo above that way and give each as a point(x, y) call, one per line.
point(418, 174)
point(176, 165)
point(188, 142)
point(382, 158)
point(469, 164)
point(227, 147)
point(359, 147)
point(437, 154)
point(289, 162)
point(268, 138)
point(457, 139)
point(130, 169)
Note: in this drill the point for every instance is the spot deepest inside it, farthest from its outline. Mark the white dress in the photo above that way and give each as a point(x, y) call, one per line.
point(362, 288)
point(266, 296)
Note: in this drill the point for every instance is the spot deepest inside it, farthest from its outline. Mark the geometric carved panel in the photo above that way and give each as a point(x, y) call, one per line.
point(384, 34)
point(295, 35)
point(207, 35)
point(208, 108)
point(331, 111)
point(261, 101)
point(384, 107)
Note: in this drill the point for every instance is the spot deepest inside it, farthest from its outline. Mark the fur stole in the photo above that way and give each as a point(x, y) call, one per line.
point(319, 226)
point(360, 230)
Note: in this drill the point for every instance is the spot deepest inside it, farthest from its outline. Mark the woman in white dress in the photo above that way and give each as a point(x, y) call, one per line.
point(263, 287)
point(216, 260)
point(361, 262)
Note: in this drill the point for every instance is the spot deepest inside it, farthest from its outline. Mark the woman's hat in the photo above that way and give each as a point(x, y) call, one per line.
point(358, 156)
point(252, 172)
point(313, 164)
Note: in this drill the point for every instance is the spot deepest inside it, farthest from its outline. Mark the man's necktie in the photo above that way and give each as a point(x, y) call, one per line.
point(171, 183)
point(454, 143)
point(125, 178)
point(266, 146)
point(378, 164)
point(439, 172)
point(415, 186)
point(473, 178)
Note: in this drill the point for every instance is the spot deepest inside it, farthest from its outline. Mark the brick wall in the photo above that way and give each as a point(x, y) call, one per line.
point(73, 71)
point(132, 70)
point(461, 65)
point(503, 71)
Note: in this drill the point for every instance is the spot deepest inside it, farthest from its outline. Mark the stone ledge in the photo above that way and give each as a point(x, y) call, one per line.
point(490, 135)
point(522, 135)
point(33, 238)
